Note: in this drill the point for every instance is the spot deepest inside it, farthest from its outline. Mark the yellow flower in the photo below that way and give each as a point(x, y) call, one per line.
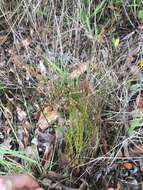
point(116, 42)
point(140, 64)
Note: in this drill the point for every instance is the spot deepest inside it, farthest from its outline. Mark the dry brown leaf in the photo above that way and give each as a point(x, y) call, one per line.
point(82, 68)
point(48, 154)
point(26, 137)
point(47, 117)
point(139, 102)
point(3, 39)
point(128, 165)
point(46, 144)
point(45, 138)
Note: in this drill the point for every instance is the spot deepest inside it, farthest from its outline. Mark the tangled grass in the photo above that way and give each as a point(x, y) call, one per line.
point(43, 42)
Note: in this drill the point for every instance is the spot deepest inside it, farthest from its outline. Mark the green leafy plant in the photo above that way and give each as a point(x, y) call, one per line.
point(81, 129)
point(58, 68)
point(135, 124)
point(3, 88)
point(137, 121)
point(10, 165)
point(86, 15)
point(140, 14)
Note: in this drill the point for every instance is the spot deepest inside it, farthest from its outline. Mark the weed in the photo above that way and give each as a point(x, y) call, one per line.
point(81, 127)
point(9, 164)
point(87, 15)
point(3, 88)
point(60, 69)
point(69, 30)
point(81, 132)
point(135, 124)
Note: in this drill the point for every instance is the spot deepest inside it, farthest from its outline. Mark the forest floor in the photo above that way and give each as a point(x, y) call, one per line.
point(71, 92)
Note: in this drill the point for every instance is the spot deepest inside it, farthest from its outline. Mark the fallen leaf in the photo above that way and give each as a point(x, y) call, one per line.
point(128, 165)
point(47, 117)
point(82, 68)
point(48, 155)
point(26, 137)
point(3, 39)
point(46, 144)
point(139, 101)
point(51, 116)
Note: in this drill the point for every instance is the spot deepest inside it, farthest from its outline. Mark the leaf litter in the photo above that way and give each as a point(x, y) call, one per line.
point(80, 114)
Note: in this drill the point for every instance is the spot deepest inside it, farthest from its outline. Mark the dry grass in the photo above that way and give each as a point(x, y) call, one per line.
point(42, 42)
